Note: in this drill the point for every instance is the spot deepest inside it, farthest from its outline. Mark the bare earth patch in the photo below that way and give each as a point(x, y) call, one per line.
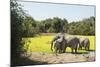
point(51, 58)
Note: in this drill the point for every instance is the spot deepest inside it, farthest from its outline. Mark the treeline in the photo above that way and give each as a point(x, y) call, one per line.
point(56, 25)
point(83, 27)
point(28, 26)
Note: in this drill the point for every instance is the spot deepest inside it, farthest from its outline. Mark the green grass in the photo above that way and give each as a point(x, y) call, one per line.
point(42, 43)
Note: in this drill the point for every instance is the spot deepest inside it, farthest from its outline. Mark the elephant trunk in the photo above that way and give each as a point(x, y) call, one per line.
point(51, 46)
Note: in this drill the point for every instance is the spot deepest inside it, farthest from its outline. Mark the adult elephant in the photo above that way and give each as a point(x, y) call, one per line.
point(71, 42)
point(58, 41)
point(59, 45)
point(84, 43)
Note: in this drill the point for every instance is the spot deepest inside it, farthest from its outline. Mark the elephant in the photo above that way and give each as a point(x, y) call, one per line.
point(59, 45)
point(71, 42)
point(57, 40)
point(81, 43)
point(85, 43)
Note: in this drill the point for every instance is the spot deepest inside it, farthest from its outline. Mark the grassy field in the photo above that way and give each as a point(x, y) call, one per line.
point(42, 43)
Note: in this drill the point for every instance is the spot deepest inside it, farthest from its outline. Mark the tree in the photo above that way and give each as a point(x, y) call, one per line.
point(84, 27)
point(29, 27)
point(17, 18)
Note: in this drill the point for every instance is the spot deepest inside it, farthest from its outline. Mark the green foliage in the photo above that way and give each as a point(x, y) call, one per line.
point(56, 25)
point(17, 18)
point(53, 25)
point(84, 27)
point(29, 27)
point(22, 25)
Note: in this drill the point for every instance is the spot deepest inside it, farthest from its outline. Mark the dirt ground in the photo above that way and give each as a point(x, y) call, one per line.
point(51, 58)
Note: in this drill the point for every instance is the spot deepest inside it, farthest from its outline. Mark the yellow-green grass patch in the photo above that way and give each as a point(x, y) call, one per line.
point(43, 43)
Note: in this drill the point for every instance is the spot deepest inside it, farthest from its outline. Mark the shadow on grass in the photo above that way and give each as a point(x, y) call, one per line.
point(82, 52)
point(88, 50)
point(78, 53)
point(91, 50)
point(26, 62)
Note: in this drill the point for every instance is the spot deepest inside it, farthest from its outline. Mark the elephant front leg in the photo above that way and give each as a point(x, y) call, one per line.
point(56, 51)
point(64, 50)
point(60, 51)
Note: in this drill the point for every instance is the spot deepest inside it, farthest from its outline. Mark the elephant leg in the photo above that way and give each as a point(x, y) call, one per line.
point(60, 51)
point(56, 51)
point(75, 50)
point(80, 48)
point(64, 48)
point(59, 48)
point(88, 48)
point(72, 50)
point(85, 48)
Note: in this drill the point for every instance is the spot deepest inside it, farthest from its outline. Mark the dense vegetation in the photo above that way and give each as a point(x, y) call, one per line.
point(55, 25)
point(23, 25)
point(31, 26)
point(28, 26)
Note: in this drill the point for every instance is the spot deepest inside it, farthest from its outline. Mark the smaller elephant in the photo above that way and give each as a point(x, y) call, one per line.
point(84, 43)
point(81, 43)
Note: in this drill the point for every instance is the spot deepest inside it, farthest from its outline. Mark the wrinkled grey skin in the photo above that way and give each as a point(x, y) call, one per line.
point(58, 41)
point(84, 43)
point(62, 43)
point(60, 35)
point(59, 45)
point(72, 42)
point(81, 43)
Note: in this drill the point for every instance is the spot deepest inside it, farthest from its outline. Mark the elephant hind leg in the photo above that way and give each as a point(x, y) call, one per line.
point(87, 48)
point(80, 48)
point(72, 50)
point(75, 50)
